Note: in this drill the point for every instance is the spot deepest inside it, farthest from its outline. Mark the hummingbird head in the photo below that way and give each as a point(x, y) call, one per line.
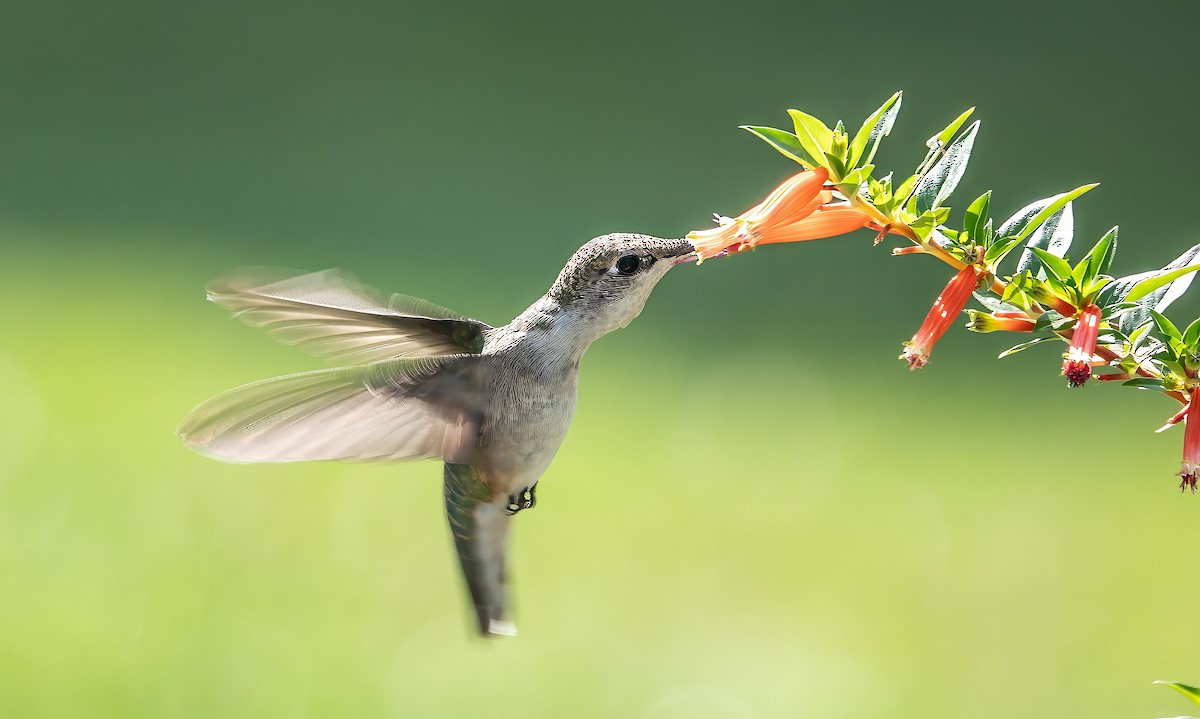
point(605, 284)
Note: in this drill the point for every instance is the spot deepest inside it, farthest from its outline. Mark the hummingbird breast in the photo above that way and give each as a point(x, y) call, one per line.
point(530, 407)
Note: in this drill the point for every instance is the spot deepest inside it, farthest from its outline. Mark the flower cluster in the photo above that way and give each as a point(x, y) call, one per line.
point(1114, 326)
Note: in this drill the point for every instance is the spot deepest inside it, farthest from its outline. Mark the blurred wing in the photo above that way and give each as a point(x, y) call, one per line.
point(391, 410)
point(332, 315)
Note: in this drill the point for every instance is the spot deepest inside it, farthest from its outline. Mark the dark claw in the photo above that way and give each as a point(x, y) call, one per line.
point(525, 499)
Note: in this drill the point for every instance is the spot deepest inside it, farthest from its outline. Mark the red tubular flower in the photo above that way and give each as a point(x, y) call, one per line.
point(1191, 444)
point(947, 307)
point(795, 211)
point(1077, 362)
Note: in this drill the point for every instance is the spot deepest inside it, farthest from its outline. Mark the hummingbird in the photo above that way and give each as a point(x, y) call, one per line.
point(419, 381)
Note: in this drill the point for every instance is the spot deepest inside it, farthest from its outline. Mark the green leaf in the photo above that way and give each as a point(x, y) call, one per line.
point(1103, 252)
point(1176, 289)
point(1057, 288)
point(1151, 284)
point(1190, 692)
point(941, 179)
point(785, 142)
point(1041, 211)
point(904, 189)
point(1166, 327)
point(852, 183)
point(814, 137)
point(1159, 300)
point(837, 166)
point(999, 249)
point(976, 217)
point(939, 140)
point(1053, 234)
point(994, 305)
point(1079, 273)
point(1138, 333)
point(1089, 267)
point(1055, 265)
point(873, 130)
point(1146, 383)
point(1049, 319)
point(1094, 285)
point(1191, 334)
point(1023, 346)
point(926, 224)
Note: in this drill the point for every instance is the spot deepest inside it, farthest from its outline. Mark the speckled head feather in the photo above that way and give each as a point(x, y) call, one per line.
point(597, 257)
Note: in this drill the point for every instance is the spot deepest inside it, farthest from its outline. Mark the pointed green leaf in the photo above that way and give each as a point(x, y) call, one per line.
point(994, 305)
point(1079, 272)
point(904, 189)
point(999, 249)
point(1056, 287)
point(939, 140)
point(1023, 346)
point(1055, 265)
point(1166, 327)
point(1104, 252)
point(1176, 289)
point(1151, 284)
point(785, 142)
point(937, 184)
point(1048, 207)
point(1048, 320)
point(1095, 285)
point(976, 217)
point(1053, 234)
point(873, 130)
point(852, 183)
point(1138, 333)
point(1191, 334)
point(1146, 383)
point(814, 137)
point(1159, 300)
point(1089, 267)
point(1190, 692)
point(837, 166)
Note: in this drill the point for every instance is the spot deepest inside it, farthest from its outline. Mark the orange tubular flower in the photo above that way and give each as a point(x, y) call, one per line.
point(1191, 444)
point(826, 221)
point(945, 308)
point(795, 211)
point(1077, 362)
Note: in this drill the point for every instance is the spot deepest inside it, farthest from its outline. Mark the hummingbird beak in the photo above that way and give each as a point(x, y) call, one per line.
point(684, 255)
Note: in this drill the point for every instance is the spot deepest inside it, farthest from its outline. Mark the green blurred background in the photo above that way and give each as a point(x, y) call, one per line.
point(758, 513)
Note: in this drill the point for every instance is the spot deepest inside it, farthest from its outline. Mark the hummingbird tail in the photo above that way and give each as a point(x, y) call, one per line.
point(480, 530)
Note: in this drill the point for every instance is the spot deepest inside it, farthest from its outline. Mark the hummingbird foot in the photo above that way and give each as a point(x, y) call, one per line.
point(525, 499)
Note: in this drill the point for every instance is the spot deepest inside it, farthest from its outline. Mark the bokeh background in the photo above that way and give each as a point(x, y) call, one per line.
point(758, 512)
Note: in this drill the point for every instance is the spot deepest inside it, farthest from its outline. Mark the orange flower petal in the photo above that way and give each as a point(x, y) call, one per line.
point(824, 222)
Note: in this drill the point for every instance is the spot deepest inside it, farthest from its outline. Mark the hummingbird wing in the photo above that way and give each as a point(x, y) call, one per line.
point(396, 409)
point(480, 529)
point(332, 315)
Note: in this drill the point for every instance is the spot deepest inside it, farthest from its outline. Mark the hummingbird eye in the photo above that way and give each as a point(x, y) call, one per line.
point(628, 264)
